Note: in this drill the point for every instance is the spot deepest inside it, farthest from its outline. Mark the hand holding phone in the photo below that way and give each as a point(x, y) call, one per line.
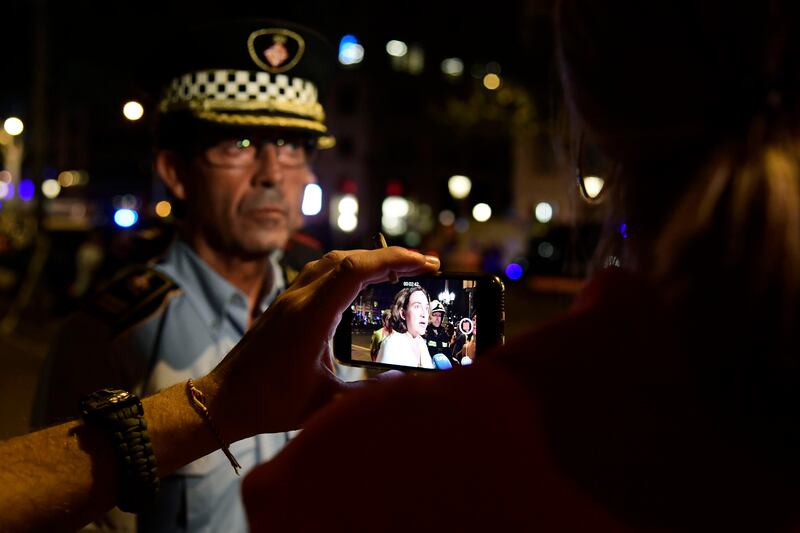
point(422, 323)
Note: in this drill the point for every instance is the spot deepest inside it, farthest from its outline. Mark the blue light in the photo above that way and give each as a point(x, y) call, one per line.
point(513, 271)
point(125, 218)
point(623, 230)
point(350, 50)
point(26, 190)
point(346, 40)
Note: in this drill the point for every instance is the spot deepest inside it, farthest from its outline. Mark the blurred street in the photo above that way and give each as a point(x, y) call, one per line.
point(21, 357)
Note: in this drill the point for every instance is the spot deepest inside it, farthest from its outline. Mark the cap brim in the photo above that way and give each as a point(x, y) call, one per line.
point(312, 127)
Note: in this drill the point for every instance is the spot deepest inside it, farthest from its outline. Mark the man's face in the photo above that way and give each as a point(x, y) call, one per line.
point(244, 195)
point(416, 313)
point(436, 319)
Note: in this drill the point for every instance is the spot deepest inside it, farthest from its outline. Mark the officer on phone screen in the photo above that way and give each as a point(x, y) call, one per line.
point(436, 336)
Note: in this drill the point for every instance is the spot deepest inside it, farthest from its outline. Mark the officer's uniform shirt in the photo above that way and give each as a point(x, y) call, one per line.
point(200, 326)
point(186, 336)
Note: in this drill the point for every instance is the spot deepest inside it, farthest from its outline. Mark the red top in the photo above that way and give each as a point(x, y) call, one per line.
point(597, 421)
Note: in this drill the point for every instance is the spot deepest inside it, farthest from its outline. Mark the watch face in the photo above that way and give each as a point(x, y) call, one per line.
point(106, 400)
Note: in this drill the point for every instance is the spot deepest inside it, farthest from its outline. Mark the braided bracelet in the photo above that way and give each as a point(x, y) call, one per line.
point(198, 400)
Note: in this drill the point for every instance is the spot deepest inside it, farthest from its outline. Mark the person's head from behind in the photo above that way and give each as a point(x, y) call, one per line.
point(410, 311)
point(239, 124)
point(697, 103)
point(386, 318)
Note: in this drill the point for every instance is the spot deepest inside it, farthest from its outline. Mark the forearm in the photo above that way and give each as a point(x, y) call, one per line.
point(64, 476)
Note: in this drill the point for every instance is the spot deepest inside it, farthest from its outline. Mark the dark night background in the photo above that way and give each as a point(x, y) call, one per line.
point(85, 59)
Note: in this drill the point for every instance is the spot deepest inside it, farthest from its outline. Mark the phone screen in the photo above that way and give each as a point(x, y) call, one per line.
point(428, 323)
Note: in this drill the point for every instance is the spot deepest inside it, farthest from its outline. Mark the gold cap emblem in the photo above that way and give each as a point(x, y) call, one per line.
point(275, 50)
point(277, 53)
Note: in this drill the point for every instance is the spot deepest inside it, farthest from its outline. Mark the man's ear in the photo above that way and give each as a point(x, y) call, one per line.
point(168, 167)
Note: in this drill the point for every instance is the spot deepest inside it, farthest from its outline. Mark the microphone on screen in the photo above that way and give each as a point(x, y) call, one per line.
point(441, 362)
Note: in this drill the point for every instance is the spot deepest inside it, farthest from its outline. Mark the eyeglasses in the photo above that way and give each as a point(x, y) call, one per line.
point(246, 151)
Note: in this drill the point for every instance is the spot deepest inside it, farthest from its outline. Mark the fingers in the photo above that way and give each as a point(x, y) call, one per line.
point(370, 266)
point(389, 375)
point(315, 269)
point(384, 377)
point(358, 269)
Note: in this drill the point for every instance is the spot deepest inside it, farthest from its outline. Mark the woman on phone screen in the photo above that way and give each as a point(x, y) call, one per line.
point(406, 346)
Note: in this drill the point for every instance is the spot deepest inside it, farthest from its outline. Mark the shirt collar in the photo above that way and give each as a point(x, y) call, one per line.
point(212, 295)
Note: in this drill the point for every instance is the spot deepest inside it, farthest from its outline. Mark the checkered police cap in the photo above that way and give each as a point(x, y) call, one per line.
point(251, 73)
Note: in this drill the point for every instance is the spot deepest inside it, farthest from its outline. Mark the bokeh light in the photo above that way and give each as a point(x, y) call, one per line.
point(312, 200)
point(51, 188)
point(459, 186)
point(453, 66)
point(394, 211)
point(133, 110)
point(513, 271)
point(593, 185)
point(396, 48)
point(26, 190)
point(125, 218)
point(543, 212)
point(491, 81)
point(447, 218)
point(347, 222)
point(67, 178)
point(413, 239)
point(350, 50)
point(482, 212)
point(348, 204)
point(545, 250)
point(13, 126)
point(461, 225)
point(395, 206)
point(163, 208)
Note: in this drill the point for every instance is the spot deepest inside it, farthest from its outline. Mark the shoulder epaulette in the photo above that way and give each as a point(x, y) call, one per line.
point(130, 297)
point(301, 239)
point(299, 250)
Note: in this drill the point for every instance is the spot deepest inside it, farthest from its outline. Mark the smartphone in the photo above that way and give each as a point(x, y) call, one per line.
point(425, 323)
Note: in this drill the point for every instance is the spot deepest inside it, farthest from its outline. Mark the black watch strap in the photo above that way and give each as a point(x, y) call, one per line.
point(120, 413)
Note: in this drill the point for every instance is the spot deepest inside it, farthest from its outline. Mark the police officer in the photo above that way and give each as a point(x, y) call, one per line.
point(436, 335)
point(240, 118)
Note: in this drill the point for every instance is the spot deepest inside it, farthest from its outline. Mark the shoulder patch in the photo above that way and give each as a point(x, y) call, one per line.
point(290, 274)
point(300, 250)
point(131, 296)
point(301, 239)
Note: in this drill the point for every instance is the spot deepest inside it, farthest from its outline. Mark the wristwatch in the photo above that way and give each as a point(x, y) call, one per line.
point(120, 414)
